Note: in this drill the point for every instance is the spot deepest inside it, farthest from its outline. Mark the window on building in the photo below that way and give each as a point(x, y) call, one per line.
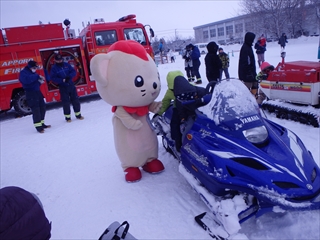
point(249, 26)
point(239, 28)
point(229, 30)
point(220, 31)
point(205, 34)
point(213, 33)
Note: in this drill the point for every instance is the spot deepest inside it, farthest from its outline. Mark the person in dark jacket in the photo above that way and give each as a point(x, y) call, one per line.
point(22, 215)
point(31, 82)
point(62, 74)
point(212, 62)
point(195, 57)
point(283, 40)
point(260, 47)
point(247, 67)
point(187, 99)
point(225, 63)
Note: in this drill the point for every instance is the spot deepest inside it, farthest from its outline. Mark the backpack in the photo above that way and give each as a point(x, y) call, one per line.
point(117, 231)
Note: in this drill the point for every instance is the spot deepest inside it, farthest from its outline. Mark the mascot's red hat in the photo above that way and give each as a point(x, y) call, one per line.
point(130, 47)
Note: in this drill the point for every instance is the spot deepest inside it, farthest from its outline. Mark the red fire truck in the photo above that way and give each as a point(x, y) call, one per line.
point(40, 43)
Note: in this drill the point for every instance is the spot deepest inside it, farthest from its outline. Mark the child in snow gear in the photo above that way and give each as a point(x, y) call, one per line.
point(225, 63)
point(188, 99)
point(260, 47)
point(212, 62)
point(166, 102)
point(188, 64)
point(171, 55)
point(31, 82)
point(62, 74)
point(195, 57)
point(266, 68)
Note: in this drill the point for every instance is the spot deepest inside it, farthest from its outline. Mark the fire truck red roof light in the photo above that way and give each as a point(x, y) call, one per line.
point(128, 17)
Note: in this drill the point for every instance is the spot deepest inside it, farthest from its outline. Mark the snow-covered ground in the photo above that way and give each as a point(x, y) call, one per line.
point(75, 171)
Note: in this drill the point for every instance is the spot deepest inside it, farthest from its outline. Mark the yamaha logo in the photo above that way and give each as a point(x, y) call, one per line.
point(309, 186)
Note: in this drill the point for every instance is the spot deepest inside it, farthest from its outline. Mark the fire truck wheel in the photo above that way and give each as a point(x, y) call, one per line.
point(20, 104)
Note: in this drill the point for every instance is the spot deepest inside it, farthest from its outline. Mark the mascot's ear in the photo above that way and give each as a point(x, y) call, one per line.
point(99, 67)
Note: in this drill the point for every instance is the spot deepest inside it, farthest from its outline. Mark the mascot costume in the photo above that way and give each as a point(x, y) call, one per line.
point(127, 78)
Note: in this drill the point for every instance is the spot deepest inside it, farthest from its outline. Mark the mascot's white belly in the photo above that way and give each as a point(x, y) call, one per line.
point(135, 147)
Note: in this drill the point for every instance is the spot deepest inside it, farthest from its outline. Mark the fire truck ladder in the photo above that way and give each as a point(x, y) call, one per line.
point(89, 43)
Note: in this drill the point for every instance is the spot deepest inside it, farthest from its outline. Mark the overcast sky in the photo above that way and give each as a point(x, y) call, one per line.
point(167, 18)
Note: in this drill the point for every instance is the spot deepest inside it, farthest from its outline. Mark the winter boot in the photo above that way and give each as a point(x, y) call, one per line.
point(78, 115)
point(199, 81)
point(155, 166)
point(40, 129)
point(132, 174)
point(68, 119)
point(44, 125)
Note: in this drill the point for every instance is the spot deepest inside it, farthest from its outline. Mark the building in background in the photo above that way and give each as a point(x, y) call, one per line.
point(232, 30)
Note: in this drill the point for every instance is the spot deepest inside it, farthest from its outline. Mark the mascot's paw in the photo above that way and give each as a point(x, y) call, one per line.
point(132, 174)
point(155, 107)
point(155, 166)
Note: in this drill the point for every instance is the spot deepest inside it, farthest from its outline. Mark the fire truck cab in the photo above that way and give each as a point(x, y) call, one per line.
point(41, 42)
point(98, 37)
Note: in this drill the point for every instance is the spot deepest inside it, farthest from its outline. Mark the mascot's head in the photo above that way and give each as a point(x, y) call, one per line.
point(126, 75)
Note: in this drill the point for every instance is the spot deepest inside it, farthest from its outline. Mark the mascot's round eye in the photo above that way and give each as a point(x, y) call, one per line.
point(138, 81)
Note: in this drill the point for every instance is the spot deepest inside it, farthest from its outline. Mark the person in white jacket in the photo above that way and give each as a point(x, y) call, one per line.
point(171, 55)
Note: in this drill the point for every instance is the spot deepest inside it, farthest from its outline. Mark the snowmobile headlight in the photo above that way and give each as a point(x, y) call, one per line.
point(313, 175)
point(256, 135)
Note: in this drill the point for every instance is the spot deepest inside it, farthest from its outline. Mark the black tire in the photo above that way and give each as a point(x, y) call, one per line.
point(20, 105)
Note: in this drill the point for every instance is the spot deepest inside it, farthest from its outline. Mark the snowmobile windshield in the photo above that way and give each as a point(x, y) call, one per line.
point(232, 106)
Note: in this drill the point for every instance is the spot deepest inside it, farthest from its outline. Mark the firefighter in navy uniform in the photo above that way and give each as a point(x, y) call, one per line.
point(62, 74)
point(31, 82)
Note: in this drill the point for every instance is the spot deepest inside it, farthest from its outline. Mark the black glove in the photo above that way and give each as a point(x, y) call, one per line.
point(67, 79)
point(187, 59)
point(264, 77)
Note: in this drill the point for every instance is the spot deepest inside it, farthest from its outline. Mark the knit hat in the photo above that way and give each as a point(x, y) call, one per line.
point(32, 64)
point(220, 48)
point(265, 65)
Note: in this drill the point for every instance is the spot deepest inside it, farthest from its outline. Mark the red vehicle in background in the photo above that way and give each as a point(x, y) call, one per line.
point(293, 91)
point(40, 43)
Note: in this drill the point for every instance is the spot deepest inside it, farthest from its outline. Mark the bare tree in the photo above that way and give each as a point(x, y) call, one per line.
point(277, 16)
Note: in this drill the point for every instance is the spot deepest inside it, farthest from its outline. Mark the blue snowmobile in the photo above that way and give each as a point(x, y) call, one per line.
point(232, 150)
